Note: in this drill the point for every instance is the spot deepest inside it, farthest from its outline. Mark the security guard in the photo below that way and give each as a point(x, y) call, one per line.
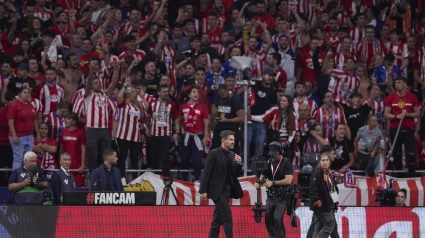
point(62, 181)
point(278, 181)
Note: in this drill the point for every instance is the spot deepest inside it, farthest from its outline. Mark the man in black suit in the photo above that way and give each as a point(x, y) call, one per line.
point(219, 182)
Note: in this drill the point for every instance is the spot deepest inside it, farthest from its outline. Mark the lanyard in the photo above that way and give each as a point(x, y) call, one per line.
point(271, 164)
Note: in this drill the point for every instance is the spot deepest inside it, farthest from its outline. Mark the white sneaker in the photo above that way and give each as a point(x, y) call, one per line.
point(124, 182)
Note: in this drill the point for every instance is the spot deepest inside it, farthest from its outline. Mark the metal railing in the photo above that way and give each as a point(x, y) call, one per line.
point(191, 170)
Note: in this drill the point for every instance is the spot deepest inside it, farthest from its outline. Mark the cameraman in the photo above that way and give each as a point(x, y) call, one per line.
point(401, 198)
point(278, 180)
point(28, 181)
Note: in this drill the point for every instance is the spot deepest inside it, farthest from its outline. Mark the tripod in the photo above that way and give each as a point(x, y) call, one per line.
point(166, 191)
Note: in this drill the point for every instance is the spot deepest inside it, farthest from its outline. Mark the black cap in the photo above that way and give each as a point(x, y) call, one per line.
point(275, 148)
point(129, 38)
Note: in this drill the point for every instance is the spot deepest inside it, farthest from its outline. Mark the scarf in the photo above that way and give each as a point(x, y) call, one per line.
point(376, 48)
point(406, 19)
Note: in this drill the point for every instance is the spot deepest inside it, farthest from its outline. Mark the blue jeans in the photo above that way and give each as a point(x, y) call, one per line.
point(256, 134)
point(192, 156)
point(24, 145)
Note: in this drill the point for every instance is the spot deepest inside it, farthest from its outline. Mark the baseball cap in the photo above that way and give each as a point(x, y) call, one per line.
point(268, 71)
point(24, 66)
point(274, 148)
point(129, 38)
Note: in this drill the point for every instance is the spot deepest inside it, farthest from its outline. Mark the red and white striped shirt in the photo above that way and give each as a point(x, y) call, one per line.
point(312, 147)
point(302, 126)
point(96, 108)
point(333, 39)
point(272, 116)
point(112, 114)
point(78, 95)
point(149, 99)
point(302, 6)
point(258, 63)
point(419, 63)
point(343, 85)
point(128, 27)
point(163, 115)
point(138, 54)
point(167, 55)
point(44, 14)
point(340, 59)
point(356, 35)
point(399, 51)
point(56, 124)
point(38, 107)
point(50, 96)
point(329, 118)
point(378, 109)
point(312, 104)
point(129, 122)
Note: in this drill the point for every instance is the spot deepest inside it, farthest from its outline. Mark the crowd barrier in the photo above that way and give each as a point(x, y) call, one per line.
point(187, 192)
point(194, 221)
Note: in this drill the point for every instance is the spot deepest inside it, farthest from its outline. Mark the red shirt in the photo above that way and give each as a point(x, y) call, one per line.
point(397, 104)
point(269, 20)
point(63, 33)
point(46, 160)
point(215, 37)
point(72, 142)
point(24, 115)
point(40, 77)
point(305, 63)
point(193, 116)
point(84, 61)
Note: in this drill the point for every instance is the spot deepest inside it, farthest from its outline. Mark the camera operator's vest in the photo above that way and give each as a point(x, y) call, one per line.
point(27, 194)
point(67, 182)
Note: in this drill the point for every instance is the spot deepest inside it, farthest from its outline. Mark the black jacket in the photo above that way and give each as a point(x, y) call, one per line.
point(213, 176)
point(319, 191)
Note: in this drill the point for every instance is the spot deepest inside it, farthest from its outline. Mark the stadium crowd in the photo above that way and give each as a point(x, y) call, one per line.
point(152, 80)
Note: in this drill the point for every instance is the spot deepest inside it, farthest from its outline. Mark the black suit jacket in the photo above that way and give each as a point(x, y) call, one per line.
point(213, 176)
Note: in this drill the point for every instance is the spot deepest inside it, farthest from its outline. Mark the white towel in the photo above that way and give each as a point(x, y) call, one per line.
point(198, 141)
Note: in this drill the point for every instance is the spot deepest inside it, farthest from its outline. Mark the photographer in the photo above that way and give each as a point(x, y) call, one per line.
point(28, 181)
point(278, 181)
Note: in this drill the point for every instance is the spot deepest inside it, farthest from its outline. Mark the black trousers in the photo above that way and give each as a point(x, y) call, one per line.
point(134, 147)
point(159, 151)
point(216, 140)
point(97, 142)
point(367, 163)
point(314, 220)
point(275, 209)
point(325, 224)
point(6, 161)
point(406, 137)
point(222, 217)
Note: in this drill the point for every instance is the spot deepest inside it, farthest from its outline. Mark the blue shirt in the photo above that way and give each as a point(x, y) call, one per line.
point(229, 70)
point(210, 78)
point(380, 73)
point(110, 179)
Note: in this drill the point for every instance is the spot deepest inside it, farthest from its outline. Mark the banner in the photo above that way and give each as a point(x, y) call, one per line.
point(187, 193)
point(195, 221)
